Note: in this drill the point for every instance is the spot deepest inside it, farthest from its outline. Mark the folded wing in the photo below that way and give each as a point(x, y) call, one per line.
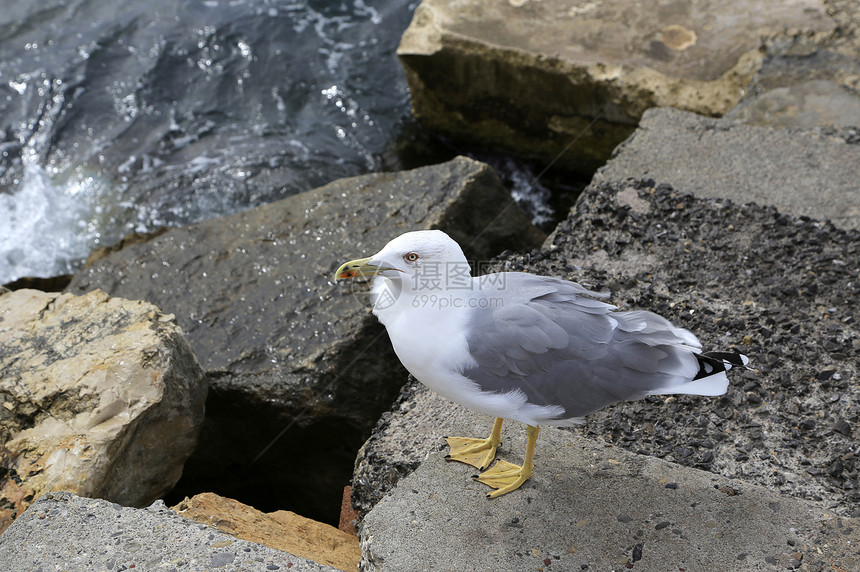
point(552, 340)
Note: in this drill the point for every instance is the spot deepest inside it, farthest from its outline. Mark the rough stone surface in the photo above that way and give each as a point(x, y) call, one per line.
point(348, 515)
point(808, 80)
point(815, 103)
point(297, 368)
point(100, 396)
point(283, 530)
point(596, 507)
point(400, 442)
point(803, 172)
point(531, 77)
point(783, 290)
point(62, 531)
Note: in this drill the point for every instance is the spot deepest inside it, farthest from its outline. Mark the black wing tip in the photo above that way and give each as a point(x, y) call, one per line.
point(732, 358)
point(715, 362)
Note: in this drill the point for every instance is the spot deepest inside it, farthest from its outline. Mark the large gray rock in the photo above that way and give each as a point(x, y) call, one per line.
point(62, 531)
point(100, 396)
point(803, 172)
point(596, 506)
point(298, 368)
point(566, 81)
point(781, 289)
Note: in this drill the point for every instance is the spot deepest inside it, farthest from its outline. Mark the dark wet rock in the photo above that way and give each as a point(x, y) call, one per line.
point(50, 284)
point(299, 370)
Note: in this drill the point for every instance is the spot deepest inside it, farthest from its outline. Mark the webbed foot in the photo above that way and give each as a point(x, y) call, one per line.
point(504, 477)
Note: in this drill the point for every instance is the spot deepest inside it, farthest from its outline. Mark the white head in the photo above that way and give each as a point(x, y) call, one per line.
point(416, 261)
point(421, 249)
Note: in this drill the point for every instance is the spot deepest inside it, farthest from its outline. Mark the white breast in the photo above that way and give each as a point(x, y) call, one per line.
point(428, 338)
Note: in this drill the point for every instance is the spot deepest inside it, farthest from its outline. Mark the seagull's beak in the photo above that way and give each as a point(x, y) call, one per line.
point(361, 268)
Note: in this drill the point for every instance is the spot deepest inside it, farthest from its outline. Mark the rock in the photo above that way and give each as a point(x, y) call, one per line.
point(101, 396)
point(530, 78)
point(299, 369)
point(348, 515)
point(282, 530)
point(781, 289)
point(52, 284)
point(401, 440)
point(803, 172)
point(592, 506)
point(817, 103)
point(808, 80)
point(62, 531)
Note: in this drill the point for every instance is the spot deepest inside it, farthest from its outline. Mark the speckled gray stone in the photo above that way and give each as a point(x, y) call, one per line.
point(589, 503)
point(802, 172)
point(62, 531)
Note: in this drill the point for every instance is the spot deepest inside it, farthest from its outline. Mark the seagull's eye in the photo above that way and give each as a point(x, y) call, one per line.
point(411, 257)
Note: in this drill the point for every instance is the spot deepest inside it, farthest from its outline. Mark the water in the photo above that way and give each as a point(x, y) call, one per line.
point(48, 228)
point(118, 117)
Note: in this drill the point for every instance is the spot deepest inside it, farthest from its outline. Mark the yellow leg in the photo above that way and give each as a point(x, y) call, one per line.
point(506, 477)
point(476, 452)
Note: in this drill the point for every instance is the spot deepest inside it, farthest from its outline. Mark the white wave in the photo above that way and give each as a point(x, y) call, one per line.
point(48, 229)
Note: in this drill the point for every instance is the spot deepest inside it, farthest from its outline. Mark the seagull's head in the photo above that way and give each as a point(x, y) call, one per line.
point(410, 256)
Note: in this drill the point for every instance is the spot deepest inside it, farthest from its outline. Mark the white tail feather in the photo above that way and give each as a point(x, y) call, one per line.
point(711, 386)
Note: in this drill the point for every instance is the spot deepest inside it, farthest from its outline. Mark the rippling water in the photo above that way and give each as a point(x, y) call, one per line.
point(124, 116)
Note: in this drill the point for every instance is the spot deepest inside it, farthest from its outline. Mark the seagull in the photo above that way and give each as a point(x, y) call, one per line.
point(535, 349)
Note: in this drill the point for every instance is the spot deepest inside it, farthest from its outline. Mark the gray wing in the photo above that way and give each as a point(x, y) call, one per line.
point(550, 339)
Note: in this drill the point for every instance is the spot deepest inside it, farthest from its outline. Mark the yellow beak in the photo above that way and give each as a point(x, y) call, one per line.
point(361, 268)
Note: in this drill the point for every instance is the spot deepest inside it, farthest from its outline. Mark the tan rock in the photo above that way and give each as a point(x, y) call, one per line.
point(572, 77)
point(101, 397)
point(282, 529)
point(816, 103)
point(348, 515)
